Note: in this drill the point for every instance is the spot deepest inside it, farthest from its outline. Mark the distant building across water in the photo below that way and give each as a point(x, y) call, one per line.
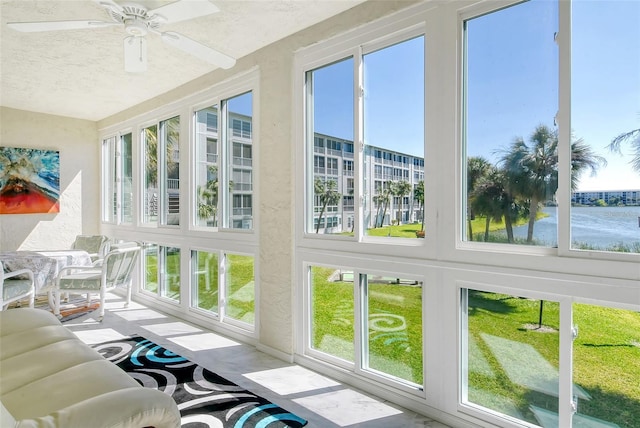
point(610, 197)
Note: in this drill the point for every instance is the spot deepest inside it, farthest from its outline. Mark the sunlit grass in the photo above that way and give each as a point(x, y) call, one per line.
point(606, 361)
point(395, 320)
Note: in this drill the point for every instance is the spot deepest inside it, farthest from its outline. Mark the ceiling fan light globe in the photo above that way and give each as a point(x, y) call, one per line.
point(135, 27)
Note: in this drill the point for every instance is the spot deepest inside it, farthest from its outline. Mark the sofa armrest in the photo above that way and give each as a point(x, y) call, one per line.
point(126, 408)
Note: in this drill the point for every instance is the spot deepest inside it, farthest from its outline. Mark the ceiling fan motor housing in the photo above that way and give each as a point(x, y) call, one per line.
point(135, 26)
point(135, 18)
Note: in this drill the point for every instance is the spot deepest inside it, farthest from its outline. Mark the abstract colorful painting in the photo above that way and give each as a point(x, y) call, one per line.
point(29, 181)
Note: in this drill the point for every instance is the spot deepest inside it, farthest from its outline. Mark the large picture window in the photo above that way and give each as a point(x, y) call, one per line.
point(239, 146)
point(330, 127)
point(513, 139)
point(378, 314)
point(511, 144)
point(117, 191)
point(109, 179)
point(225, 164)
point(605, 207)
point(512, 363)
point(393, 120)
point(391, 130)
point(207, 166)
point(161, 197)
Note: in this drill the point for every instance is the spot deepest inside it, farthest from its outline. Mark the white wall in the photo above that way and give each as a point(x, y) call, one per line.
point(77, 142)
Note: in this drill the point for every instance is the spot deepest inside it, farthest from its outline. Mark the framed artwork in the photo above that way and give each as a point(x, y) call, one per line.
point(29, 181)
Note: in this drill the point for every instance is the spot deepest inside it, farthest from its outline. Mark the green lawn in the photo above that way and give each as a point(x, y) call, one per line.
point(512, 363)
point(395, 322)
point(397, 231)
point(606, 356)
point(409, 230)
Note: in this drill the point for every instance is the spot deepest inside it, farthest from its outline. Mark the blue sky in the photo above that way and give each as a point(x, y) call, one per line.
point(242, 104)
point(513, 81)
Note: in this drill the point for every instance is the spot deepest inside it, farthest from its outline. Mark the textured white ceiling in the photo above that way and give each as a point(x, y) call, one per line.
point(80, 73)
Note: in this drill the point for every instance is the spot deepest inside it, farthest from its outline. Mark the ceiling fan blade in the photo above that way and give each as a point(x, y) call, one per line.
point(197, 49)
point(184, 9)
point(33, 27)
point(135, 54)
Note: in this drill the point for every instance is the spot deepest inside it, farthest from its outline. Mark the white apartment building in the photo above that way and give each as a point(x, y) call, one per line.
point(622, 197)
point(333, 160)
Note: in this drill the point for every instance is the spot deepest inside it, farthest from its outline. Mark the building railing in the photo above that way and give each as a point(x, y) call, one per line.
point(248, 211)
point(242, 186)
point(240, 161)
point(332, 171)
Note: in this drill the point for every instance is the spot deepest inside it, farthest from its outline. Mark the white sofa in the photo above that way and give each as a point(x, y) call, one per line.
point(50, 378)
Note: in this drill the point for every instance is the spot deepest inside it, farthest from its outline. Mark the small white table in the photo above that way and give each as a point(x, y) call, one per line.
point(45, 265)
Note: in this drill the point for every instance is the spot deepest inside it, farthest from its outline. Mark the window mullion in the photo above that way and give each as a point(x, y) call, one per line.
point(565, 366)
point(358, 152)
point(224, 162)
point(563, 118)
point(361, 311)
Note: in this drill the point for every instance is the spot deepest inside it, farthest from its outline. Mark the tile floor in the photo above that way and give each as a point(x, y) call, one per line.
point(324, 402)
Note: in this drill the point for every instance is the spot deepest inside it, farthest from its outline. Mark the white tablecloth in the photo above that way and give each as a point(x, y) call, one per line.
point(45, 265)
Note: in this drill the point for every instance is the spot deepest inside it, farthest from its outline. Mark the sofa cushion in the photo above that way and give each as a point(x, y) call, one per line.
point(51, 379)
point(69, 386)
point(15, 344)
point(6, 419)
point(24, 319)
point(42, 362)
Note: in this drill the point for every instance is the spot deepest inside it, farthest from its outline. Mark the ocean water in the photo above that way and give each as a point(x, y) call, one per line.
point(600, 227)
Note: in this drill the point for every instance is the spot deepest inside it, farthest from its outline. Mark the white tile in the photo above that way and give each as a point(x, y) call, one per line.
point(291, 380)
point(171, 328)
point(139, 315)
point(98, 335)
point(347, 407)
point(202, 342)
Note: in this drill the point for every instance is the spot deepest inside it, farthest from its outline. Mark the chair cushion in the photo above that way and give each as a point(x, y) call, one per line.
point(15, 287)
point(90, 244)
point(89, 280)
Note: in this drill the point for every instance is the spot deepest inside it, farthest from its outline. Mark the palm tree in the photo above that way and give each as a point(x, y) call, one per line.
point(400, 189)
point(379, 201)
point(385, 199)
point(492, 198)
point(328, 194)
point(477, 167)
point(634, 140)
point(418, 194)
point(208, 196)
point(533, 168)
point(151, 143)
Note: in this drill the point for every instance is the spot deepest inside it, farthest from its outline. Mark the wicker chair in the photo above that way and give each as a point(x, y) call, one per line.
point(14, 287)
point(115, 271)
point(96, 245)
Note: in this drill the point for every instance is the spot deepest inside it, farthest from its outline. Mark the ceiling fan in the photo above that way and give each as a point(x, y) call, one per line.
point(137, 22)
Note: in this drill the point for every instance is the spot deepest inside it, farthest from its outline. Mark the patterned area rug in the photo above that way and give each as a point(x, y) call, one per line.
point(204, 398)
point(76, 307)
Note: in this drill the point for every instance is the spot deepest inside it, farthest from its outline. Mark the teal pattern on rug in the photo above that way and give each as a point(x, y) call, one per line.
point(204, 398)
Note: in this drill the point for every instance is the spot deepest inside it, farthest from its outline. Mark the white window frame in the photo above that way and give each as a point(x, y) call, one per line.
point(407, 25)
point(443, 262)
